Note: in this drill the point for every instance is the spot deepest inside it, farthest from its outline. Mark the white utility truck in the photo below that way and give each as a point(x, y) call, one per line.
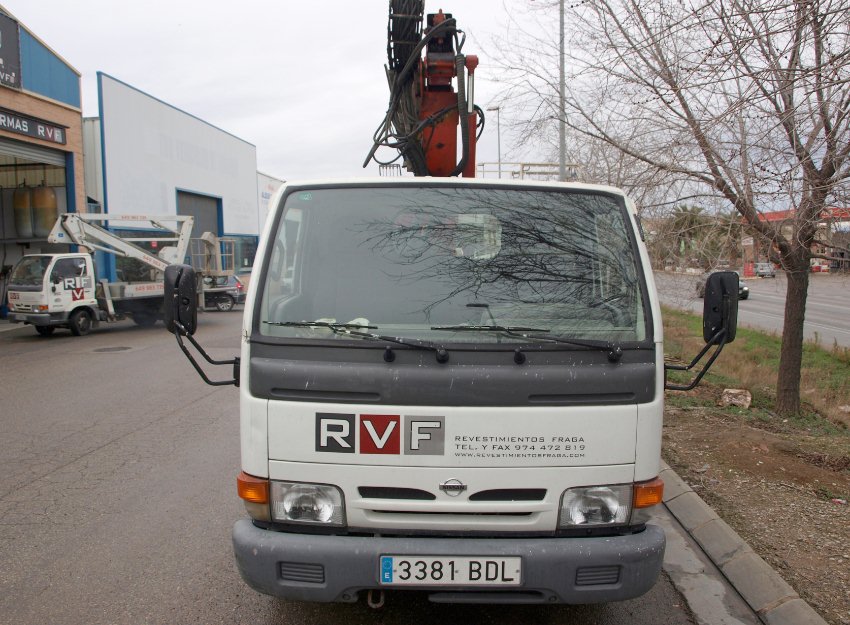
point(60, 290)
point(452, 386)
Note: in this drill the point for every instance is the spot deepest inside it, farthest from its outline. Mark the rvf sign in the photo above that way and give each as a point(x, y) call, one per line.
point(10, 53)
point(380, 434)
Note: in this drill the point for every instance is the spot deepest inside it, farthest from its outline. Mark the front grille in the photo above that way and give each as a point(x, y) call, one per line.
point(597, 575)
point(302, 572)
point(416, 494)
point(510, 494)
point(390, 492)
point(412, 501)
point(459, 514)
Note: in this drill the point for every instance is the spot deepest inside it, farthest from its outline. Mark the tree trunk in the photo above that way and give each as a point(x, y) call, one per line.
point(791, 355)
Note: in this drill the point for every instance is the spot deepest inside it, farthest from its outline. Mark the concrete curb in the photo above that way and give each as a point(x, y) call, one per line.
point(769, 596)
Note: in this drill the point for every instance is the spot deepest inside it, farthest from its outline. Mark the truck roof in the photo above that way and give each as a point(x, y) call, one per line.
point(451, 182)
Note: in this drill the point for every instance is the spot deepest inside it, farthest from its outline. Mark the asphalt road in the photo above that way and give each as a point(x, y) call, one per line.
point(117, 495)
point(827, 305)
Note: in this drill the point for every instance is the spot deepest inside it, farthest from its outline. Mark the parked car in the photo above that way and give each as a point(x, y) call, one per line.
point(223, 292)
point(743, 289)
point(765, 270)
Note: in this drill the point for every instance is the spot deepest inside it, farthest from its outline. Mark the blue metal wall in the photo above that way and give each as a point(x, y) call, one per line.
point(46, 74)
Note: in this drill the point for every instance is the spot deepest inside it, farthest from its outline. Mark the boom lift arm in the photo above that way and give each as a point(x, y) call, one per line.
point(424, 111)
point(78, 228)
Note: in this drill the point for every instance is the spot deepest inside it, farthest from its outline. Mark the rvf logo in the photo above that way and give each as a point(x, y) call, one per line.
point(73, 284)
point(379, 434)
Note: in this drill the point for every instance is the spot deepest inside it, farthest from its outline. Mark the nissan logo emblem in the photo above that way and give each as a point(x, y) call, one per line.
point(453, 487)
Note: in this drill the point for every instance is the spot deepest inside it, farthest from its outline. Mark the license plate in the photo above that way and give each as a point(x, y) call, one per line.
point(450, 571)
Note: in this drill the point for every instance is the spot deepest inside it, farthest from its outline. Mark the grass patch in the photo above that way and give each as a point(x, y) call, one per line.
point(752, 362)
point(828, 494)
point(814, 423)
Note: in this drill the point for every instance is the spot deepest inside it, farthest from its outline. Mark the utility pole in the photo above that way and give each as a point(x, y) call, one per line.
point(562, 110)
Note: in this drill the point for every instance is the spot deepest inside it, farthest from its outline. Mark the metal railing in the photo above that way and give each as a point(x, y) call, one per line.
point(212, 255)
point(527, 171)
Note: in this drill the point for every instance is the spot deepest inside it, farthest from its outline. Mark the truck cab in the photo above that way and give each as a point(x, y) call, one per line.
point(455, 387)
point(451, 386)
point(53, 290)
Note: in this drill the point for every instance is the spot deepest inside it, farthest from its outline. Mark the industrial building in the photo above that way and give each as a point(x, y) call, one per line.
point(41, 141)
point(146, 157)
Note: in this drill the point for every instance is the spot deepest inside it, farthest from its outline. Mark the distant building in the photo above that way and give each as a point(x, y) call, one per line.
point(146, 157)
point(833, 230)
point(41, 142)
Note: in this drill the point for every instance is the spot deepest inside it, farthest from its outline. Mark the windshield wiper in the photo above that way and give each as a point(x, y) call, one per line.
point(615, 352)
point(490, 328)
point(348, 329)
point(613, 349)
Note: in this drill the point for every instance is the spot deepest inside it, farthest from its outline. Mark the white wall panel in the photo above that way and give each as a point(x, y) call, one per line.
point(93, 159)
point(152, 150)
point(267, 186)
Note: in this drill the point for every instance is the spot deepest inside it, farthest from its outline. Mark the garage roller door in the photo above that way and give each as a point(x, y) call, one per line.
point(203, 208)
point(33, 153)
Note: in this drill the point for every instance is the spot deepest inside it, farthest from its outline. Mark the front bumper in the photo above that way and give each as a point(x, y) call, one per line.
point(309, 567)
point(38, 319)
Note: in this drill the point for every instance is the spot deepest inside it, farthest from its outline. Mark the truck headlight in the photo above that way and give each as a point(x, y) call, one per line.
point(593, 506)
point(296, 502)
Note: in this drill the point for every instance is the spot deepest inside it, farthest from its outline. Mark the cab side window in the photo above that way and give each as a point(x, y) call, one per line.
point(69, 268)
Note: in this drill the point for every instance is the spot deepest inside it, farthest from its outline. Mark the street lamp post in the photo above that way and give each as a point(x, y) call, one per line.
point(562, 133)
point(498, 134)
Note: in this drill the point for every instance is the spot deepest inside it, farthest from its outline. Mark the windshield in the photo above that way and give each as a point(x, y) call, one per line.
point(464, 265)
point(29, 271)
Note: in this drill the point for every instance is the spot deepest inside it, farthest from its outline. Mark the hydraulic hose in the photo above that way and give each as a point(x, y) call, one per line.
point(460, 67)
point(399, 83)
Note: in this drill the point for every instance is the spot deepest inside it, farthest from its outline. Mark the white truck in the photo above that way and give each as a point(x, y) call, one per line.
point(60, 290)
point(451, 386)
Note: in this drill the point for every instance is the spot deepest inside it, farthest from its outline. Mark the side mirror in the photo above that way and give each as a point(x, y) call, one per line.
point(720, 310)
point(181, 305)
point(181, 318)
point(719, 323)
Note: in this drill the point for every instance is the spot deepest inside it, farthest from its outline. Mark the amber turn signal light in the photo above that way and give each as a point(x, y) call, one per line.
point(253, 489)
point(648, 493)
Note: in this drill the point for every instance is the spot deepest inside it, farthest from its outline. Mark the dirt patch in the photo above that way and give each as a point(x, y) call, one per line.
point(833, 463)
point(780, 488)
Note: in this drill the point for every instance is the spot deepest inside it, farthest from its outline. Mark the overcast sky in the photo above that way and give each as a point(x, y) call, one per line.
point(303, 81)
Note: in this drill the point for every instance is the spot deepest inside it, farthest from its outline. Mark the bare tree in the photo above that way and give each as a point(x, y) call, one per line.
point(748, 100)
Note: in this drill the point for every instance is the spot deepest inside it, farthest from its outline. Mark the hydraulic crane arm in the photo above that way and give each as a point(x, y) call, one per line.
point(425, 111)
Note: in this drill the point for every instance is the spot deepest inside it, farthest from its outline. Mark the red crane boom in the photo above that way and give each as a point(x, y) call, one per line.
point(425, 110)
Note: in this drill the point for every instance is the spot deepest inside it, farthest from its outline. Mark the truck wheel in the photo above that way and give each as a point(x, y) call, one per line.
point(144, 320)
point(80, 323)
point(45, 330)
point(225, 304)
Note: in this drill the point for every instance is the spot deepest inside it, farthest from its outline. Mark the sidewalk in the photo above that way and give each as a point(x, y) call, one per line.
point(6, 325)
